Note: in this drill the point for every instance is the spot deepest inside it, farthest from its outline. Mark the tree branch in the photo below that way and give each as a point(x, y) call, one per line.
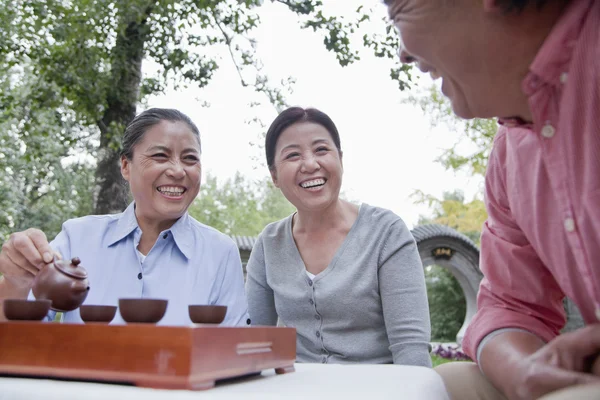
point(301, 8)
point(228, 41)
point(34, 200)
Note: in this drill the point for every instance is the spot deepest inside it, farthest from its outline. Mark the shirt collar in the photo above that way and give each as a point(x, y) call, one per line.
point(183, 235)
point(127, 223)
point(514, 122)
point(556, 52)
point(553, 58)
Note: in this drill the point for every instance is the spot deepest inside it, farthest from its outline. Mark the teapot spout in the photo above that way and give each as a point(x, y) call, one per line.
point(79, 287)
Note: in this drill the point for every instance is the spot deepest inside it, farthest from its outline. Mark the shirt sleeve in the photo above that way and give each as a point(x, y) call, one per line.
point(492, 335)
point(517, 290)
point(232, 289)
point(261, 301)
point(404, 298)
point(61, 244)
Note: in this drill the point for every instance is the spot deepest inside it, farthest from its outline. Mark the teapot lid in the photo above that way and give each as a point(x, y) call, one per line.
point(72, 269)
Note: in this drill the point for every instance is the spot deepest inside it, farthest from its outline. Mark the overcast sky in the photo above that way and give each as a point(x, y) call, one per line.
point(389, 147)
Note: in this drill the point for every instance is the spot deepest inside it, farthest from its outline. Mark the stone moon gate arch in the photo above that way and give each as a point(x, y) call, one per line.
point(443, 246)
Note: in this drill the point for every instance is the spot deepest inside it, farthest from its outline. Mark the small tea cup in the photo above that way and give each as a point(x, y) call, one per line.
point(148, 311)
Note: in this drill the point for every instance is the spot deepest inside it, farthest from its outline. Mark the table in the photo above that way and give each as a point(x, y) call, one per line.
point(310, 381)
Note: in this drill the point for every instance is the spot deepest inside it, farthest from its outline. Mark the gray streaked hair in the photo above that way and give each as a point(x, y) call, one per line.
point(137, 128)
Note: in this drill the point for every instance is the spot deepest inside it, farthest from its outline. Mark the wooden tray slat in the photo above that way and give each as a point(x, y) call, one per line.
point(146, 355)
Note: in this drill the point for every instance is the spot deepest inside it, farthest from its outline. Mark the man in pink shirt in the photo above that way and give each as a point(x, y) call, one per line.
point(534, 64)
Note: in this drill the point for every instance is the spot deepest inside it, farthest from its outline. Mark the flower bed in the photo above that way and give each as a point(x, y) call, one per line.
point(451, 352)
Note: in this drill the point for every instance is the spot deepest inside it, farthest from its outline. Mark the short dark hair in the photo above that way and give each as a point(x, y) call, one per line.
point(519, 5)
point(507, 5)
point(137, 128)
point(292, 116)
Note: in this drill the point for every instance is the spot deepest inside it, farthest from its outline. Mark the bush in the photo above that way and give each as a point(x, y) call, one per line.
point(447, 306)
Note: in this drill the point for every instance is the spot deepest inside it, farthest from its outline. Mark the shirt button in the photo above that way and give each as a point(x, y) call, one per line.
point(312, 302)
point(569, 224)
point(548, 131)
point(317, 317)
point(318, 334)
point(563, 77)
point(140, 275)
point(166, 235)
point(310, 283)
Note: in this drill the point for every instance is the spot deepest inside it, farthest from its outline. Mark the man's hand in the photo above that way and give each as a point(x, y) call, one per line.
point(23, 255)
point(563, 362)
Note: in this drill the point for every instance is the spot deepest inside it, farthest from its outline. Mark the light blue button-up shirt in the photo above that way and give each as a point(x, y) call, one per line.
point(190, 263)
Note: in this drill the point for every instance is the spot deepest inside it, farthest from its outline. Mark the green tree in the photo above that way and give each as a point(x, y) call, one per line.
point(452, 210)
point(240, 206)
point(477, 134)
point(43, 181)
point(447, 306)
point(91, 53)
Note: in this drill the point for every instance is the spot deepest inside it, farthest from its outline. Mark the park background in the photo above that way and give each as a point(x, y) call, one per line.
point(74, 72)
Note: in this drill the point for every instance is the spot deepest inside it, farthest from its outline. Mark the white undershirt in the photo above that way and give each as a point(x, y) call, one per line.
point(141, 256)
point(136, 241)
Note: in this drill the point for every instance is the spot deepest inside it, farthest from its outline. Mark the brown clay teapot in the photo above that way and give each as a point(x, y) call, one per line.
point(64, 283)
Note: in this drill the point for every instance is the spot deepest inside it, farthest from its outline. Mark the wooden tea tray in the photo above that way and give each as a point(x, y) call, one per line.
point(145, 355)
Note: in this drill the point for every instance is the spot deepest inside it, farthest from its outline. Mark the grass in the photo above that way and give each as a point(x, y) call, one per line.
point(437, 360)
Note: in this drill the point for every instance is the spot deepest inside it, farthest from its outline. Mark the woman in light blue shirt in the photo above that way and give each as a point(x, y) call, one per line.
point(154, 249)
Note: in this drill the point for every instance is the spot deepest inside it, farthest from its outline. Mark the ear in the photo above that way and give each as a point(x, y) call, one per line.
point(125, 168)
point(342, 159)
point(274, 176)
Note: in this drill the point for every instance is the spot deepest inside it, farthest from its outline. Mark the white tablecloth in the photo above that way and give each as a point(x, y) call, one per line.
point(310, 381)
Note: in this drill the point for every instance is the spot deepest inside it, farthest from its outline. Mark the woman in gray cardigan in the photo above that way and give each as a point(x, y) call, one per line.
point(349, 278)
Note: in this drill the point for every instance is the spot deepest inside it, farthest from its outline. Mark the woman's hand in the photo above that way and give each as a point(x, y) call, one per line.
point(22, 256)
point(563, 362)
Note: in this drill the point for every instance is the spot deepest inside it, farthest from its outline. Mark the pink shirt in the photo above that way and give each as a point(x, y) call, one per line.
point(542, 237)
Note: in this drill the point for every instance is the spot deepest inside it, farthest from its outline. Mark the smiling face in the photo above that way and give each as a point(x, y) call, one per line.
point(468, 45)
point(307, 166)
point(164, 172)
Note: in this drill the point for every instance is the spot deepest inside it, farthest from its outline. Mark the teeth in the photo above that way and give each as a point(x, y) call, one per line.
point(314, 182)
point(171, 190)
